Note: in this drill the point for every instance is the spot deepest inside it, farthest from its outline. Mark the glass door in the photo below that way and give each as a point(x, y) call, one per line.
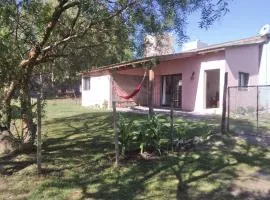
point(171, 89)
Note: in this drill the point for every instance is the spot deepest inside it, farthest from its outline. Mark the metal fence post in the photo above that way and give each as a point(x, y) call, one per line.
point(116, 138)
point(223, 118)
point(172, 118)
point(38, 134)
point(257, 108)
point(228, 114)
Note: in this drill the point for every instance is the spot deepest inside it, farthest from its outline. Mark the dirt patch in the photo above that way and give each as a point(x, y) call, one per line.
point(261, 140)
point(256, 183)
point(135, 155)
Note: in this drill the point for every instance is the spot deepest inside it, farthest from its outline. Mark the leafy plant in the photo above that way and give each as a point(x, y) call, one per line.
point(251, 109)
point(126, 133)
point(189, 133)
point(241, 110)
point(151, 134)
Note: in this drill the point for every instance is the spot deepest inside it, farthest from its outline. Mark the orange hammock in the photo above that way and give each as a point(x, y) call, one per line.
point(136, 90)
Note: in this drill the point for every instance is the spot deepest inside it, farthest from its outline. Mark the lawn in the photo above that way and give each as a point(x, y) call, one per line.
point(78, 158)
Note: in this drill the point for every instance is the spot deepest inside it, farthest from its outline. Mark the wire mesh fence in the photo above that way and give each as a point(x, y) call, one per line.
point(249, 109)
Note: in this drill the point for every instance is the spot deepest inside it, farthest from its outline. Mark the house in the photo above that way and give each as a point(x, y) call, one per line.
point(194, 77)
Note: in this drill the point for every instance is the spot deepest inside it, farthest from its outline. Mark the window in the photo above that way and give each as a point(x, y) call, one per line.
point(86, 83)
point(243, 79)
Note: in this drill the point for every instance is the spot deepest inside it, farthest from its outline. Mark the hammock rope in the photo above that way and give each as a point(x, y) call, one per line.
point(136, 90)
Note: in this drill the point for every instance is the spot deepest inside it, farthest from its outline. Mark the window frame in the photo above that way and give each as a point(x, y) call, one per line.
point(244, 75)
point(86, 83)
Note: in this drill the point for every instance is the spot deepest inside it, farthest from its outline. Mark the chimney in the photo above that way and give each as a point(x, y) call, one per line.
point(158, 45)
point(197, 44)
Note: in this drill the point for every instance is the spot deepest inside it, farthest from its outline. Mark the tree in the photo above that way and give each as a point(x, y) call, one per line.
point(80, 33)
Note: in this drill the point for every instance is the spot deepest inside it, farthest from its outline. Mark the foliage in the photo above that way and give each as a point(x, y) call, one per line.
point(241, 110)
point(64, 37)
point(189, 134)
point(151, 133)
point(126, 133)
point(78, 159)
point(251, 109)
point(186, 129)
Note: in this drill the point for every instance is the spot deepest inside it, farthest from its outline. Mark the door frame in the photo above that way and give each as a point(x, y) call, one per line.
point(206, 87)
point(161, 90)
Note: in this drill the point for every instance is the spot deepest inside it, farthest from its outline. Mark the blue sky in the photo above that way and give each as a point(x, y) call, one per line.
point(245, 19)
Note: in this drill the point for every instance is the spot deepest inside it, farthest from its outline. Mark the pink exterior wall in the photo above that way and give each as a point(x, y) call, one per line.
point(157, 90)
point(242, 59)
point(182, 66)
point(232, 60)
point(125, 84)
point(135, 72)
point(185, 67)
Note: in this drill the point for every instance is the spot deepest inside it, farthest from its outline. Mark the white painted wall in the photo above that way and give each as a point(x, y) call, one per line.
point(100, 91)
point(197, 44)
point(200, 102)
point(264, 76)
point(264, 72)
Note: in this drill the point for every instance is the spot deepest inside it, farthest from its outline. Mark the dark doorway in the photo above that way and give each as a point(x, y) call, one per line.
point(171, 87)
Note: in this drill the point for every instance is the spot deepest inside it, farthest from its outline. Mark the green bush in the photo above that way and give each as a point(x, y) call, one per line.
point(150, 135)
point(126, 133)
point(188, 134)
point(241, 110)
point(251, 109)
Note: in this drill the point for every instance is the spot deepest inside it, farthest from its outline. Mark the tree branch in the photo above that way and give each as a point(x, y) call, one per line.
point(55, 17)
point(36, 50)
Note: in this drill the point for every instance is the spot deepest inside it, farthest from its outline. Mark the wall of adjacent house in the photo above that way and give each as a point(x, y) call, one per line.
point(243, 59)
point(100, 91)
point(264, 72)
point(264, 76)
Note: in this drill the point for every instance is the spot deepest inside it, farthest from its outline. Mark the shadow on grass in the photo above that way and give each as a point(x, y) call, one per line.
point(78, 160)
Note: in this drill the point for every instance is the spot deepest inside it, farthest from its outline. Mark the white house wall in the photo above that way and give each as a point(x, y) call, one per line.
point(264, 76)
point(99, 93)
point(264, 73)
point(200, 102)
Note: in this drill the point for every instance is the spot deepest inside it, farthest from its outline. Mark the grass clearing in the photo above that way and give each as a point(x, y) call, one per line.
point(78, 157)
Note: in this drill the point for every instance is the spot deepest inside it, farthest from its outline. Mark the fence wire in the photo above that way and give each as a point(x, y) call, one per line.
point(249, 109)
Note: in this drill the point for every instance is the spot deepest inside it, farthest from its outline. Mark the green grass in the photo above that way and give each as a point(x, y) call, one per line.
point(78, 162)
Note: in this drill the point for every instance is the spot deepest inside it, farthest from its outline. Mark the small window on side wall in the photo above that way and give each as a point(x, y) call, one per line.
point(86, 83)
point(243, 79)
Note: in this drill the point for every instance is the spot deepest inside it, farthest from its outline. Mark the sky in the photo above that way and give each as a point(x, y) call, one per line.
point(245, 19)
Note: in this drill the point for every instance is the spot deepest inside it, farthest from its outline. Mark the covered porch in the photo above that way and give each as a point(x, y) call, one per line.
point(188, 82)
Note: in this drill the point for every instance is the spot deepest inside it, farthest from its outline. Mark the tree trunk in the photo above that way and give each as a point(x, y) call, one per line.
point(5, 106)
point(28, 129)
point(5, 113)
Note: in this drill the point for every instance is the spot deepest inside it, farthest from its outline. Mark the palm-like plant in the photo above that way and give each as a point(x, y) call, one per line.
point(151, 134)
point(126, 131)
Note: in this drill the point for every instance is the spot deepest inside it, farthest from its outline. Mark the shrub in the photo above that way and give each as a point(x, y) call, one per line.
point(126, 133)
point(188, 134)
point(241, 110)
point(251, 109)
point(150, 135)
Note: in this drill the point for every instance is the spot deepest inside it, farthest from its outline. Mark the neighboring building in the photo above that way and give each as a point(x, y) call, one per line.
point(195, 76)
